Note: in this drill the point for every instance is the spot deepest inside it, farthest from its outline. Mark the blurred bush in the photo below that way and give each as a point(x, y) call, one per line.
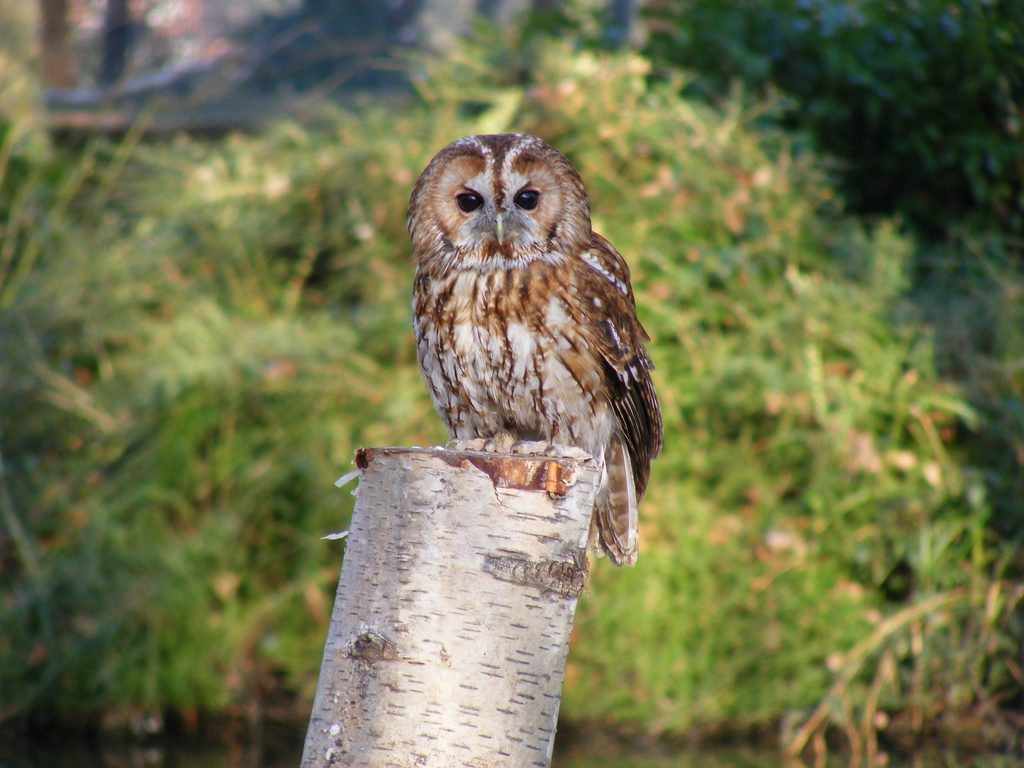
point(18, 81)
point(197, 335)
point(919, 101)
point(195, 339)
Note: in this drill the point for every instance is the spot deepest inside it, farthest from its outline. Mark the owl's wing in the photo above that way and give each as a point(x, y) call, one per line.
point(620, 340)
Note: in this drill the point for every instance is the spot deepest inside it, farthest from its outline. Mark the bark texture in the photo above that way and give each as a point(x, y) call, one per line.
point(450, 630)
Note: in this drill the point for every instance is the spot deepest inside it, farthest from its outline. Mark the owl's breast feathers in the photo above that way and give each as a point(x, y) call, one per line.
point(549, 351)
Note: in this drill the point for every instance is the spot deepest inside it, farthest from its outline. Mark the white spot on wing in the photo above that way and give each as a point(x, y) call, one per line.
point(615, 334)
point(596, 265)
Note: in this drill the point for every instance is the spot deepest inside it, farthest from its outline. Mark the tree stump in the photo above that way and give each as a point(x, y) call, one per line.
point(450, 629)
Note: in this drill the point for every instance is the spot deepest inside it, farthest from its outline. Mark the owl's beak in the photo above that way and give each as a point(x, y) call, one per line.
point(499, 228)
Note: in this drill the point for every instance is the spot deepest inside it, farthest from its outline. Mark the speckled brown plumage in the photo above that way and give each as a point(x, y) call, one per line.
point(525, 320)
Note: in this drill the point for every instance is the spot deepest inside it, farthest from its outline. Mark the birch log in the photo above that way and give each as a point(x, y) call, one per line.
point(450, 629)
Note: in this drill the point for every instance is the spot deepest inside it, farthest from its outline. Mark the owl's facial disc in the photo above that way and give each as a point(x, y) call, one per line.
point(481, 221)
point(523, 226)
point(498, 210)
point(503, 200)
point(524, 203)
point(499, 228)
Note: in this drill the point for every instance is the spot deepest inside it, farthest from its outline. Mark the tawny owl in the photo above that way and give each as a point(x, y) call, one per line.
point(525, 322)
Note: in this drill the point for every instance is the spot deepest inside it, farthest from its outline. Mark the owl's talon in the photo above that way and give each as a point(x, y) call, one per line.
point(536, 448)
point(500, 443)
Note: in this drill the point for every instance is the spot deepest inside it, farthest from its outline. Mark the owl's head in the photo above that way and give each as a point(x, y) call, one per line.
point(495, 201)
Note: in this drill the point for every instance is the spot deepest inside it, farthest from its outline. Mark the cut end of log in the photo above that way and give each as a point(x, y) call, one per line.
point(534, 467)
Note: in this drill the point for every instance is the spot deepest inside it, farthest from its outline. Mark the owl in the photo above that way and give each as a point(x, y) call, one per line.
point(526, 327)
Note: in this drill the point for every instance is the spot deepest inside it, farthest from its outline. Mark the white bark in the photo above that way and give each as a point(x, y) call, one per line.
point(450, 630)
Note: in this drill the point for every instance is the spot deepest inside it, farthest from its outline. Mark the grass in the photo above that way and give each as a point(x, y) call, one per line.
point(197, 335)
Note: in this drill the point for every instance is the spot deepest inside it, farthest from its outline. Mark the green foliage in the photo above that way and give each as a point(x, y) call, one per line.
point(196, 339)
point(920, 101)
point(197, 335)
point(972, 294)
point(17, 80)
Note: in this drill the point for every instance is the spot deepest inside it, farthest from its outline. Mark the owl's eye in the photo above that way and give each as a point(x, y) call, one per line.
point(469, 201)
point(527, 199)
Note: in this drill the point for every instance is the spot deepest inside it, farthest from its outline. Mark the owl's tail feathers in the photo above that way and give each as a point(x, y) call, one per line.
point(615, 509)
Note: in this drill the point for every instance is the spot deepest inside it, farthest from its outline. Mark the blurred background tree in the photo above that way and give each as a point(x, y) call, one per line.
point(919, 102)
